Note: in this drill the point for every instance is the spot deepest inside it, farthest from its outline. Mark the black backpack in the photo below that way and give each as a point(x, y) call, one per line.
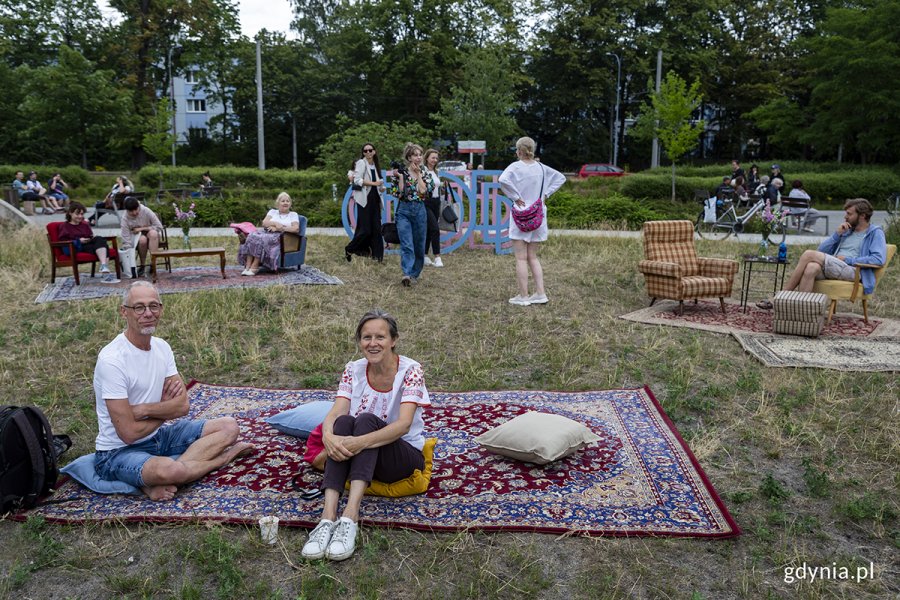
point(28, 457)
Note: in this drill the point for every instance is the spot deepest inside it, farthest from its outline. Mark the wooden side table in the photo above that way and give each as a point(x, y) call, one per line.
point(220, 252)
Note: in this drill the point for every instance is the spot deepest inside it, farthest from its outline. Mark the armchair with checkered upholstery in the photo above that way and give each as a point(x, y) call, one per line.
point(673, 270)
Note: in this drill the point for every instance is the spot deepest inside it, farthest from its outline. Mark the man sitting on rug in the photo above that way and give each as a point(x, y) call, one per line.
point(137, 389)
point(855, 241)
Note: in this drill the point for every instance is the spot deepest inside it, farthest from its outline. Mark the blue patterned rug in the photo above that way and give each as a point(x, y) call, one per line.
point(640, 479)
point(183, 279)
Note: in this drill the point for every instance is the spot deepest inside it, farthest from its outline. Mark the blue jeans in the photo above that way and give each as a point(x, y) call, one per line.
point(127, 463)
point(412, 226)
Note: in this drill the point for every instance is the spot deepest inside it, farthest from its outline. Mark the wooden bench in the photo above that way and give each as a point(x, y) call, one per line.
point(168, 254)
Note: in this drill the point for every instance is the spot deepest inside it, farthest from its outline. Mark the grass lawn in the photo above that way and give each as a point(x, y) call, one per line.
point(806, 460)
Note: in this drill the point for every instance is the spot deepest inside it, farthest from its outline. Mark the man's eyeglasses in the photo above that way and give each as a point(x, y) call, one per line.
point(367, 150)
point(140, 309)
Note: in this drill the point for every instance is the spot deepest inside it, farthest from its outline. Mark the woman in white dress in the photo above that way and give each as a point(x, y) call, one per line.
point(524, 182)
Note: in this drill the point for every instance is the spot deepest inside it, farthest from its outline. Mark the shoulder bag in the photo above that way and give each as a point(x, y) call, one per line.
point(532, 217)
point(448, 215)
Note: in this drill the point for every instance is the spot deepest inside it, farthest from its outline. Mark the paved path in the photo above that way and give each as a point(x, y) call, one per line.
point(110, 228)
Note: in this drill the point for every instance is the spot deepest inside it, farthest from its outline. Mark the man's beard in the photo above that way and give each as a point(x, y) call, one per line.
point(148, 330)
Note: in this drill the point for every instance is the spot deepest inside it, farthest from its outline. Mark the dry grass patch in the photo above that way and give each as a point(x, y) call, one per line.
point(805, 459)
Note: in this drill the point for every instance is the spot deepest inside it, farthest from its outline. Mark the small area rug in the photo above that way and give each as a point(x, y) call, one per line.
point(874, 353)
point(707, 315)
point(183, 279)
point(640, 479)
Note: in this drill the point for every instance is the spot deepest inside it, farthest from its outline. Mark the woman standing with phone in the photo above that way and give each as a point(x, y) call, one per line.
point(414, 185)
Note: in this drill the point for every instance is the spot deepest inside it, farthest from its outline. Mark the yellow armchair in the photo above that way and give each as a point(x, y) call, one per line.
point(852, 290)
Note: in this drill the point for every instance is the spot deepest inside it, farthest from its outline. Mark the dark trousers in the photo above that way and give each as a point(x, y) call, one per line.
point(95, 244)
point(367, 240)
point(433, 238)
point(387, 464)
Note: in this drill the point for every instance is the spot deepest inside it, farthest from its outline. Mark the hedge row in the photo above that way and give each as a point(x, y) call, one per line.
point(73, 175)
point(825, 188)
point(238, 178)
point(214, 212)
point(570, 210)
point(789, 168)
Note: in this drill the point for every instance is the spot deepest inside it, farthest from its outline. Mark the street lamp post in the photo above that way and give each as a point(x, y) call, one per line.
point(172, 105)
point(616, 126)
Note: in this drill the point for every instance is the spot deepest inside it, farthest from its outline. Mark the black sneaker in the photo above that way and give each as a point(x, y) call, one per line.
point(140, 271)
point(405, 282)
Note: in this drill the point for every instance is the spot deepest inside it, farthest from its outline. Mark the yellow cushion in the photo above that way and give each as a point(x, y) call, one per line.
point(417, 483)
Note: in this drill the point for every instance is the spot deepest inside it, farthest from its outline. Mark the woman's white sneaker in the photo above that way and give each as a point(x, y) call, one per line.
point(519, 301)
point(428, 262)
point(438, 262)
point(538, 299)
point(343, 540)
point(318, 540)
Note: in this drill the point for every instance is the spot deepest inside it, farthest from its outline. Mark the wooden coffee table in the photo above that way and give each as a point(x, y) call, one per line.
point(188, 252)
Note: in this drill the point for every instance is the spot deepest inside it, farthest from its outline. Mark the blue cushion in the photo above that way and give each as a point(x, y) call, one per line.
point(302, 420)
point(82, 470)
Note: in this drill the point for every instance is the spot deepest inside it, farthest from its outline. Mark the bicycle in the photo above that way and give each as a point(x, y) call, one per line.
point(729, 222)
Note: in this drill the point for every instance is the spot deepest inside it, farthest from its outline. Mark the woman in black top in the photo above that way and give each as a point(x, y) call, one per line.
point(366, 175)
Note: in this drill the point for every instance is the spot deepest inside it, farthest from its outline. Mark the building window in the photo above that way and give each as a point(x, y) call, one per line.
point(192, 76)
point(198, 133)
point(196, 106)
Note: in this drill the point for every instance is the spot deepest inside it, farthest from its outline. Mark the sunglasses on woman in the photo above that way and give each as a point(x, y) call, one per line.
point(367, 150)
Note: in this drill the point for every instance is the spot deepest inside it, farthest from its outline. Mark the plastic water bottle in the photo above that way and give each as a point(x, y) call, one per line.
point(782, 252)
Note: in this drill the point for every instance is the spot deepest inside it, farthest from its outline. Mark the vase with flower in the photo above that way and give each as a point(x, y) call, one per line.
point(772, 223)
point(185, 219)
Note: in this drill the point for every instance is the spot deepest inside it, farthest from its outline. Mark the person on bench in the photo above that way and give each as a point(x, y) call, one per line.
point(856, 240)
point(137, 389)
point(26, 194)
point(140, 230)
point(121, 186)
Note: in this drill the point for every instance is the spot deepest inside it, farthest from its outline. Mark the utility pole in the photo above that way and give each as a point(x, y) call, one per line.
point(260, 133)
point(615, 127)
point(172, 105)
point(294, 138)
point(654, 160)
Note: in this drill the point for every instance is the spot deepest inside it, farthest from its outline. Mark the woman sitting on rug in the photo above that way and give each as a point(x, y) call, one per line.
point(373, 431)
point(76, 230)
point(263, 247)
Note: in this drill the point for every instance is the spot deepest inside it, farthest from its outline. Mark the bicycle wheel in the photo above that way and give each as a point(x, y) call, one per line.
point(704, 229)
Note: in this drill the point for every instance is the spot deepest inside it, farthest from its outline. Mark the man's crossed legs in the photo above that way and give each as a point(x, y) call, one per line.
point(203, 446)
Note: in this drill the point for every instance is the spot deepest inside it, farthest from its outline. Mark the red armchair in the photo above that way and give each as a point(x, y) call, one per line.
point(58, 258)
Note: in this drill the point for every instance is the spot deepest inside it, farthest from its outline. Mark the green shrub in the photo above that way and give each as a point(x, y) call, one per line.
point(214, 212)
point(567, 209)
point(239, 178)
point(73, 175)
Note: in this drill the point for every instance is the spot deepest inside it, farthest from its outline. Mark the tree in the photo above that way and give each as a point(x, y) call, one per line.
point(77, 110)
point(481, 108)
point(339, 152)
point(668, 117)
point(158, 141)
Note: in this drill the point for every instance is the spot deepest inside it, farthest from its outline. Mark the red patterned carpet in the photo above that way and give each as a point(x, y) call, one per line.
point(640, 479)
point(707, 315)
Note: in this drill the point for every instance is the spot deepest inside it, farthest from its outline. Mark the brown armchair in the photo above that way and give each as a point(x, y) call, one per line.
point(673, 270)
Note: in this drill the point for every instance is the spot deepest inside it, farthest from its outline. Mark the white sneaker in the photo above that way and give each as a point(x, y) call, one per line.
point(519, 300)
point(109, 278)
point(538, 299)
point(246, 272)
point(343, 540)
point(104, 269)
point(428, 262)
point(438, 262)
point(318, 540)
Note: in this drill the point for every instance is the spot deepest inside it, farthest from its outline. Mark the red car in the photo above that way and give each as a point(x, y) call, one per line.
point(600, 170)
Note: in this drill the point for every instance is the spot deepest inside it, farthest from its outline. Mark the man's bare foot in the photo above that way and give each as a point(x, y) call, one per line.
point(238, 450)
point(160, 493)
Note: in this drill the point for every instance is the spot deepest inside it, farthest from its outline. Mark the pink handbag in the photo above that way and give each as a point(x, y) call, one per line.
point(531, 217)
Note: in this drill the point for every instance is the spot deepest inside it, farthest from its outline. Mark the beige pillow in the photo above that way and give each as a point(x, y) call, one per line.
point(537, 438)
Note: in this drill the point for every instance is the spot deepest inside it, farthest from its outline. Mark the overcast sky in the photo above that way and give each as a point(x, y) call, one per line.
point(274, 15)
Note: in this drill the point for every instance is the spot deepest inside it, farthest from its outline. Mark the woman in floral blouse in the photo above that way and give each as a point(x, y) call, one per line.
point(373, 431)
point(413, 187)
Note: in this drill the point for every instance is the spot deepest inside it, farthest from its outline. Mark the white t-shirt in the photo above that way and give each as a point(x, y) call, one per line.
point(125, 371)
point(522, 181)
point(436, 193)
point(409, 386)
point(286, 220)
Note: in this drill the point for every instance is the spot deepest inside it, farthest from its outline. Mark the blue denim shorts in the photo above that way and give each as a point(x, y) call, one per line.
point(127, 463)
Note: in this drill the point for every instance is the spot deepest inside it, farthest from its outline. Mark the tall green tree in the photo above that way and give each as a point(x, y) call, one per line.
point(77, 110)
point(481, 107)
point(668, 117)
point(159, 140)
point(342, 148)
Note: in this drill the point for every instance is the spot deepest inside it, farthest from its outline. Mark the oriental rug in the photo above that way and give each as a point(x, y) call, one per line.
point(875, 353)
point(707, 315)
point(183, 279)
point(640, 479)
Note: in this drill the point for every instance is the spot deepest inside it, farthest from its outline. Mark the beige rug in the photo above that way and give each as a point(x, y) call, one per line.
point(874, 353)
point(707, 316)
